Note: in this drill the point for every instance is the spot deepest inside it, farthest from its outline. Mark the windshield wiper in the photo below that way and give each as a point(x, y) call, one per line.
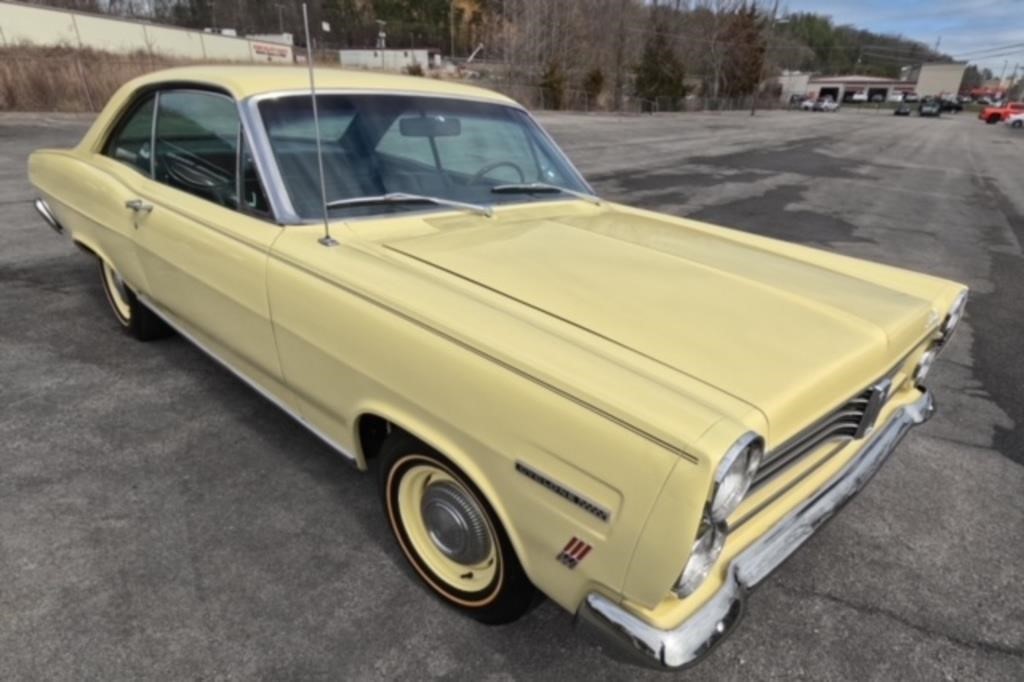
point(403, 198)
point(543, 187)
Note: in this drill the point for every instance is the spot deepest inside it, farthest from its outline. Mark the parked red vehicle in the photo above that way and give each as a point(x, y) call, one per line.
point(1000, 113)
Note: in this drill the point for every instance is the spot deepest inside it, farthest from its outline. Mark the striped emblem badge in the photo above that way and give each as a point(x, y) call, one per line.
point(573, 553)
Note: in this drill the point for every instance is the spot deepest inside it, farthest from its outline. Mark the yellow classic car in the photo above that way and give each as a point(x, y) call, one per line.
point(637, 415)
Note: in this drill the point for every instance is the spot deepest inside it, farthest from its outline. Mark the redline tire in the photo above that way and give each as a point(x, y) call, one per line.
point(505, 593)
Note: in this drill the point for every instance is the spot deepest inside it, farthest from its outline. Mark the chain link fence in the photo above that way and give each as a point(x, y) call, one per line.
point(571, 99)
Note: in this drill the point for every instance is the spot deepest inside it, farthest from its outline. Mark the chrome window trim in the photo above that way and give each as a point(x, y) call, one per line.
point(242, 208)
point(554, 144)
point(152, 135)
point(120, 119)
point(266, 165)
point(238, 166)
point(243, 129)
point(284, 211)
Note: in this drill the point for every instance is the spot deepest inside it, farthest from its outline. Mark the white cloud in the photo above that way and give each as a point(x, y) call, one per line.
point(964, 26)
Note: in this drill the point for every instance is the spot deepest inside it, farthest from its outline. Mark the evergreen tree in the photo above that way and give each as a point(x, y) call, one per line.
point(661, 72)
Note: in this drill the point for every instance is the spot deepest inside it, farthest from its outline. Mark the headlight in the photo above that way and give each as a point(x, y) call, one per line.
point(702, 557)
point(732, 481)
point(734, 475)
point(924, 365)
point(956, 313)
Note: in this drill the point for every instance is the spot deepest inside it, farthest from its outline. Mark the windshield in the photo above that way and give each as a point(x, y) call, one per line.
point(383, 144)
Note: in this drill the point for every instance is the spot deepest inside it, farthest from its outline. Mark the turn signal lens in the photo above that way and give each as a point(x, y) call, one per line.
point(956, 313)
point(925, 365)
point(703, 556)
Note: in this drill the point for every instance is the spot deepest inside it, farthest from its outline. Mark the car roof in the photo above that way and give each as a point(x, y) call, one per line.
point(245, 81)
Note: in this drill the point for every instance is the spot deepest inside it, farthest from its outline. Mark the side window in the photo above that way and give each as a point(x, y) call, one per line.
point(250, 191)
point(130, 143)
point(197, 135)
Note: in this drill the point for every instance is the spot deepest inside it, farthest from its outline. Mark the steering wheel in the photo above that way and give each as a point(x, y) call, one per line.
point(479, 175)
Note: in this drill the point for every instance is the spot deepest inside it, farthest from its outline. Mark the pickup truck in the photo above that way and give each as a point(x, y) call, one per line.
point(995, 114)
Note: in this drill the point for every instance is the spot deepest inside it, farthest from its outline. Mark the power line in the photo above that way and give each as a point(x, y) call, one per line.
point(995, 53)
point(993, 47)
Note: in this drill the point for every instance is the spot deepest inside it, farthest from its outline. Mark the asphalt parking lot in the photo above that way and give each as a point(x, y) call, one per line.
point(160, 520)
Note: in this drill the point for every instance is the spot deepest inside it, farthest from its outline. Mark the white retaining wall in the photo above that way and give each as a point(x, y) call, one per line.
point(31, 24)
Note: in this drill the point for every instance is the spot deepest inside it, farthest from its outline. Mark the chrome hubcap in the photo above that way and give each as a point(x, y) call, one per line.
point(455, 523)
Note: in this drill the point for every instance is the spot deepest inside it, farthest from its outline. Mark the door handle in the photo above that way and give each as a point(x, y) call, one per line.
point(138, 205)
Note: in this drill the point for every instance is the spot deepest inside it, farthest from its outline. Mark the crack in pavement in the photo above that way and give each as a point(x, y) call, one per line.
point(982, 645)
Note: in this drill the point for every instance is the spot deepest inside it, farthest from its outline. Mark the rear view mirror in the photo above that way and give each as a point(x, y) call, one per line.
point(430, 126)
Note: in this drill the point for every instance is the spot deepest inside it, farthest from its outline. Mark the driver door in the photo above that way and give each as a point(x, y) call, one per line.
point(203, 231)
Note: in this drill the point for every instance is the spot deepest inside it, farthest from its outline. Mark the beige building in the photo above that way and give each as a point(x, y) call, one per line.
point(864, 88)
point(938, 79)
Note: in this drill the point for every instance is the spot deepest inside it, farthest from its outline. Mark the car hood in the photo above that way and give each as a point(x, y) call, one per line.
point(784, 334)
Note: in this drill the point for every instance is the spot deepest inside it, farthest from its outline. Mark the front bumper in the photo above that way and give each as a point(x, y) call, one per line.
point(639, 642)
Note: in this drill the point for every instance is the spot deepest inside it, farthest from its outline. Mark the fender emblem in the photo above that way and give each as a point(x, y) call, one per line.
point(560, 490)
point(573, 553)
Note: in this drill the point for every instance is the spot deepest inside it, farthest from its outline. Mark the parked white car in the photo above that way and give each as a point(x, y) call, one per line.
point(1015, 121)
point(861, 96)
point(825, 104)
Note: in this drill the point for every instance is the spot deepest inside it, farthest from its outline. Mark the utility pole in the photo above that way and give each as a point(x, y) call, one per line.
point(451, 30)
point(764, 60)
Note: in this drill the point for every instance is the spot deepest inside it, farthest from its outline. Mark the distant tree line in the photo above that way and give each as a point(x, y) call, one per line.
point(658, 51)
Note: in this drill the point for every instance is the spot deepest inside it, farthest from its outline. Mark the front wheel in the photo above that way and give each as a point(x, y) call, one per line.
point(134, 317)
point(450, 534)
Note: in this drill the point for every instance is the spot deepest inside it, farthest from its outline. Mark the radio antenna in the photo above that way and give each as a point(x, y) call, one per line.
point(327, 239)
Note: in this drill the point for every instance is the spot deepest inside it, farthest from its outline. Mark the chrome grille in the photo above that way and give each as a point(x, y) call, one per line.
point(853, 419)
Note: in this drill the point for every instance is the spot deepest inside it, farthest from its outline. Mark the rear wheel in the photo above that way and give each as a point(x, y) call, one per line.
point(450, 534)
point(1017, 124)
point(134, 317)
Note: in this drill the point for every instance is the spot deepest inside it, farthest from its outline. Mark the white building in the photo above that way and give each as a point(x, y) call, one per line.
point(793, 83)
point(389, 59)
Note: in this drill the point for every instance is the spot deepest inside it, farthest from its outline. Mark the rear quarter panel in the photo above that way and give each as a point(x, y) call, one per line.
point(88, 201)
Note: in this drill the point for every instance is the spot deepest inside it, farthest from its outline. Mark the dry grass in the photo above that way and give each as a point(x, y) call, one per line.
point(66, 79)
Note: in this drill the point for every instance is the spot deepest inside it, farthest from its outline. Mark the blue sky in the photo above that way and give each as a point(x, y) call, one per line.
point(965, 26)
